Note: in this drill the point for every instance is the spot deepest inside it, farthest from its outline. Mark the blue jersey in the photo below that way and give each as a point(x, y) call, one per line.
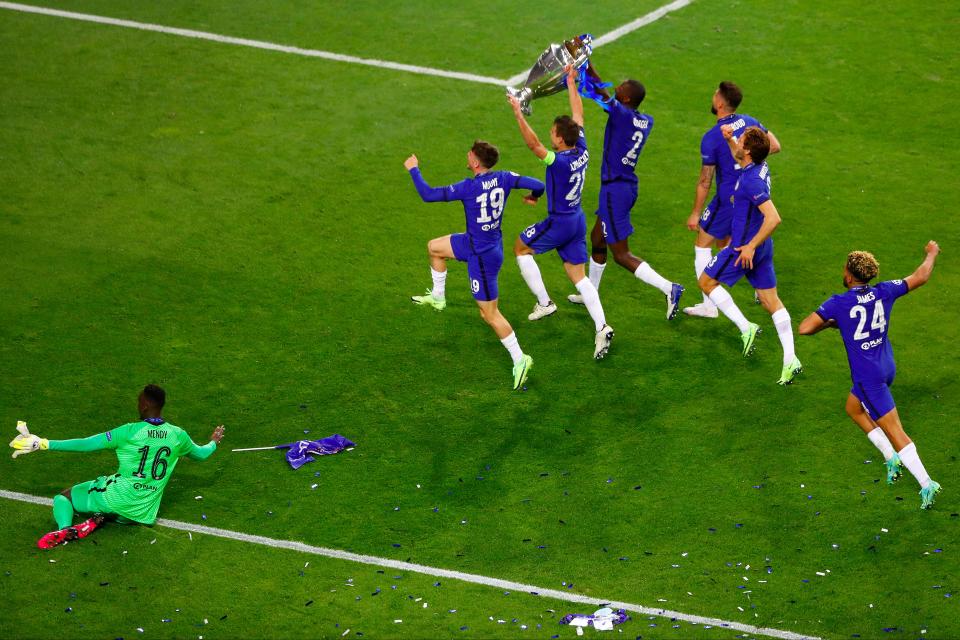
point(484, 197)
point(623, 140)
point(863, 314)
point(566, 172)
point(715, 152)
point(751, 190)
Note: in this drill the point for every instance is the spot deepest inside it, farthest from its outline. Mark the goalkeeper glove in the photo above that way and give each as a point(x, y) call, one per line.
point(26, 442)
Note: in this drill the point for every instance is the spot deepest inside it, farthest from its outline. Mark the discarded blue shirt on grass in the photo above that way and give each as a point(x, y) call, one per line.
point(301, 452)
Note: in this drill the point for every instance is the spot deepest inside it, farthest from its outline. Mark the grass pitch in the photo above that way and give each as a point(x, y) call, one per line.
point(237, 226)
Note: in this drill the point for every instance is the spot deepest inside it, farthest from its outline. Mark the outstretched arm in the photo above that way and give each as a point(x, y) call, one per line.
point(529, 137)
point(919, 277)
point(813, 323)
point(427, 193)
point(82, 445)
point(576, 103)
point(196, 452)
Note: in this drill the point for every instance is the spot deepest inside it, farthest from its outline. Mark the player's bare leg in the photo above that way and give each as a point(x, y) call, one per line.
point(770, 301)
point(722, 299)
point(490, 312)
point(591, 298)
point(891, 425)
point(531, 275)
point(876, 435)
point(440, 250)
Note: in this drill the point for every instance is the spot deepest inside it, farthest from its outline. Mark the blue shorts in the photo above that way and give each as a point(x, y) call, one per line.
point(482, 268)
point(567, 234)
point(875, 398)
point(762, 276)
point(717, 219)
point(616, 201)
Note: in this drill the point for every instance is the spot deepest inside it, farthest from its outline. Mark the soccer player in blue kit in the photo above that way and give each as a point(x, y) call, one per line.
point(712, 223)
point(862, 314)
point(484, 197)
point(565, 226)
point(626, 133)
point(750, 252)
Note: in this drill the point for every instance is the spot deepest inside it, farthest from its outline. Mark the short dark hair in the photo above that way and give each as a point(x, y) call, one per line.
point(862, 266)
point(757, 142)
point(635, 91)
point(731, 94)
point(567, 129)
point(486, 153)
point(155, 396)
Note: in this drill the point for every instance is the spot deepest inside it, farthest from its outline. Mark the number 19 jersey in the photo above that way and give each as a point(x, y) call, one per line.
point(862, 315)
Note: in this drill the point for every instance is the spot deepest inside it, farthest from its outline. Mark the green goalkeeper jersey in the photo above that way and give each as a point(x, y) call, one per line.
point(148, 454)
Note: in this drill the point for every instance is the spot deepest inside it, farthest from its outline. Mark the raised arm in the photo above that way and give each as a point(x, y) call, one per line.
point(427, 193)
point(727, 132)
point(529, 137)
point(774, 143)
point(576, 103)
point(592, 72)
point(919, 277)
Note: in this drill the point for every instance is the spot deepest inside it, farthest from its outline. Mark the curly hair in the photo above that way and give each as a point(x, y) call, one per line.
point(862, 266)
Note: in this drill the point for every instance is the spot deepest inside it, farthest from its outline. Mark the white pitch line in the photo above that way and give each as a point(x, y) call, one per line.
point(619, 32)
point(518, 587)
point(256, 44)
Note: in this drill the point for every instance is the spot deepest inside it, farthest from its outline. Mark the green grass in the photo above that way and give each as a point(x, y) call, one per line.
point(237, 226)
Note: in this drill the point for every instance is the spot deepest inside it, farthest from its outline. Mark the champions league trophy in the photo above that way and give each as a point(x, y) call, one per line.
point(547, 76)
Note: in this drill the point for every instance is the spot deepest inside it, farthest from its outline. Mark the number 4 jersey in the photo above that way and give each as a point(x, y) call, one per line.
point(147, 453)
point(862, 315)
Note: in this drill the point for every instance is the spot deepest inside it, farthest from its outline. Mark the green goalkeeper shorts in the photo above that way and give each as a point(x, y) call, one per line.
point(88, 497)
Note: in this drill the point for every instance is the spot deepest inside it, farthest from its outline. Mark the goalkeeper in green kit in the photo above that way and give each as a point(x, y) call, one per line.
point(148, 451)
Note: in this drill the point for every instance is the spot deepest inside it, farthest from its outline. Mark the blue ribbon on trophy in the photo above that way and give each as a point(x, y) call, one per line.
point(547, 75)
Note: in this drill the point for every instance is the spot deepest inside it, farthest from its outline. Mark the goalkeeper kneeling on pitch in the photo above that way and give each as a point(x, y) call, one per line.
point(147, 450)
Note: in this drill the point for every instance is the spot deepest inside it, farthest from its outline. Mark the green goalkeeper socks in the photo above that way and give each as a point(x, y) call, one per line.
point(62, 511)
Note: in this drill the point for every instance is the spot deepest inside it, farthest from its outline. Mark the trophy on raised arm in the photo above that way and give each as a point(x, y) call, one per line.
point(547, 76)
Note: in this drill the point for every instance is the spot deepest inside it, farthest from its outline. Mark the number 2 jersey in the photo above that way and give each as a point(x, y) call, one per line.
point(624, 137)
point(862, 315)
point(148, 454)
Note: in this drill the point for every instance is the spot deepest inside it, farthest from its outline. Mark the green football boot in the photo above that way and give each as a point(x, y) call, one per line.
point(790, 371)
point(521, 370)
point(894, 469)
point(928, 494)
point(437, 303)
point(749, 338)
